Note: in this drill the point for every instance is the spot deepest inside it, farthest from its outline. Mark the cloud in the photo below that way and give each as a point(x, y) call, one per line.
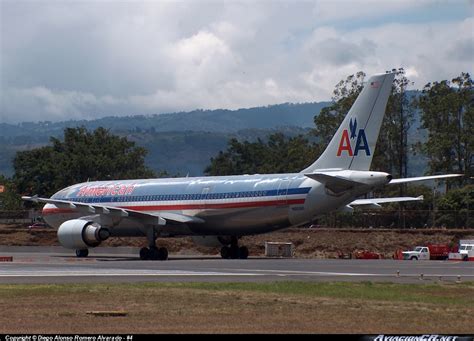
point(56, 105)
point(91, 59)
point(330, 11)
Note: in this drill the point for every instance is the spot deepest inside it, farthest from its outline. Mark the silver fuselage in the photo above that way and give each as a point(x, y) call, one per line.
point(229, 205)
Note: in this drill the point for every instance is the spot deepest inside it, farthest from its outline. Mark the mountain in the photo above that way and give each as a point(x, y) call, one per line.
point(181, 142)
point(269, 117)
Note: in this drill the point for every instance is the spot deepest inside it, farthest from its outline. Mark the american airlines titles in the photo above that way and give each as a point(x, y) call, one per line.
point(105, 191)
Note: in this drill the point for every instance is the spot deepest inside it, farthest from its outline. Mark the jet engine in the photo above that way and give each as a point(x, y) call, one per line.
point(81, 234)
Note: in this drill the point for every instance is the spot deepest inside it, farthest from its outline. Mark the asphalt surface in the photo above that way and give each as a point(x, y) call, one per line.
point(121, 265)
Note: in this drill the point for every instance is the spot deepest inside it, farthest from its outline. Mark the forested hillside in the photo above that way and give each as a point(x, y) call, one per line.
point(177, 143)
point(182, 143)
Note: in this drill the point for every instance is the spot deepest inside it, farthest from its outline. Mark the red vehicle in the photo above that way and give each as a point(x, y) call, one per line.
point(365, 254)
point(439, 251)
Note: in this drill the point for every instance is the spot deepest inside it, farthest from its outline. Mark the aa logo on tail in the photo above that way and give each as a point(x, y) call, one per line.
point(354, 143)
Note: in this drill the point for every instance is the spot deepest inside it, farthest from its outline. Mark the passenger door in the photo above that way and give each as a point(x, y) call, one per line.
point(283, 191)
point(204, 197)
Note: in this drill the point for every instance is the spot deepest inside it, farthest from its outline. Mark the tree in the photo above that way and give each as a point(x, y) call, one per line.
point(9, 199)
point(448, 115)
point(330, 118)
point(82, 156)
point(464, 146)
point(278, 155)
point(391, 154)
point(455, 208)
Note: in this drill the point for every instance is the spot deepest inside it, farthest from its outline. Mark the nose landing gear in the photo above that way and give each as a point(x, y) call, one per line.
point(82, 253)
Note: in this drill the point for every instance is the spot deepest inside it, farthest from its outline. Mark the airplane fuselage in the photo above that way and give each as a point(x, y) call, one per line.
point(229, 205)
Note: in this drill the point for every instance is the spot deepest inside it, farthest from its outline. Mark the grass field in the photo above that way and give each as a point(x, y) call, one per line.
point(279, 307)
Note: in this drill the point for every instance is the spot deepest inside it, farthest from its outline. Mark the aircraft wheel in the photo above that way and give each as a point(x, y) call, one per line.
point(243, 252)
point(82, 253)
point(153, 253)
point(234, 253)
point(158, 253)
point(162, 253)
point(145, 253)
point(225, 252)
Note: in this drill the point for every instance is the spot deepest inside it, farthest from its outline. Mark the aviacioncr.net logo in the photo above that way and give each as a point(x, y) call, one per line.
point(353, 143)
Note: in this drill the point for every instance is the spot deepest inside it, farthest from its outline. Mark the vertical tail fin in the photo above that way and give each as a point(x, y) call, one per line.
point(353, 145)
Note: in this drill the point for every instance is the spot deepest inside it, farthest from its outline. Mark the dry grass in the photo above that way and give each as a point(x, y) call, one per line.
point(283, 307)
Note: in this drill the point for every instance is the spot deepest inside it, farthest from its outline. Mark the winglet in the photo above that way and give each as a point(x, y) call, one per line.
point(34, 198)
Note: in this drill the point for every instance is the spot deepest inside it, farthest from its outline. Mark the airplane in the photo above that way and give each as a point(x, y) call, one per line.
point(219, 210)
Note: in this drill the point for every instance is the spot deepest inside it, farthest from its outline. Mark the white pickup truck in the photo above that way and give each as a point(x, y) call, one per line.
point(464, 247)
point(420, 253)
point(430, 251)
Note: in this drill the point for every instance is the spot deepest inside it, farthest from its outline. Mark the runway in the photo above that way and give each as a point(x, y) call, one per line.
point(121, 265)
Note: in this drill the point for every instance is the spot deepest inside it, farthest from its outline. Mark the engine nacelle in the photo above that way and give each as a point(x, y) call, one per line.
point(211, 241)
point(81, 234)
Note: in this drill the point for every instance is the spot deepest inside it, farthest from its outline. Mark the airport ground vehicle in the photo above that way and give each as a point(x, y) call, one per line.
point(366, 254)
point(428, 252)
point(466, 246)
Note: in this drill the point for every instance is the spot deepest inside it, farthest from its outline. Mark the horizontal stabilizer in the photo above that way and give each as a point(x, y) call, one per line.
point(422, 178)
point(334, 183)
point(377, 201)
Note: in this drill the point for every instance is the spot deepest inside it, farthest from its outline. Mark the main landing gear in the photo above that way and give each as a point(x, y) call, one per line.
point(152, 252)
point(234, 251)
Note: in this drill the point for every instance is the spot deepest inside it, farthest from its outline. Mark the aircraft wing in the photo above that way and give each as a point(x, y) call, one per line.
point(421, 178)
point(121, 212)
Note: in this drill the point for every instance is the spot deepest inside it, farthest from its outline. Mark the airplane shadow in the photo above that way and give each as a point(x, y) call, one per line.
point(137, 259)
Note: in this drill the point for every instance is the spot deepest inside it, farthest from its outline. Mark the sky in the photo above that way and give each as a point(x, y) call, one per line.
point(64, 60)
